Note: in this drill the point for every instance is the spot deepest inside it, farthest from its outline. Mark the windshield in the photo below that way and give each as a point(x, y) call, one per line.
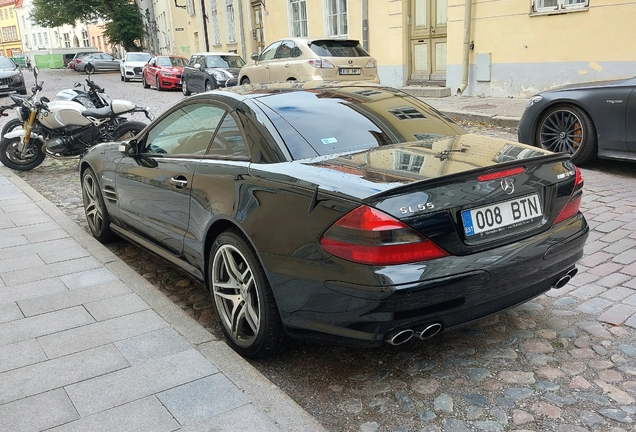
point(5, 63)
point(171, 61)
point(338, 48)
point(141, 57)
point(344, 119)
point(224, 61)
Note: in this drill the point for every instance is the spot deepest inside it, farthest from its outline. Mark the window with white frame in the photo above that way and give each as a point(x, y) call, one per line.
point(298, 18)
point(336, 17)
point(216, 29)
point(542, 6)
point(85, 38)
point(190, 7)
point(45, 36)
point(67, 40)
point(231, 26)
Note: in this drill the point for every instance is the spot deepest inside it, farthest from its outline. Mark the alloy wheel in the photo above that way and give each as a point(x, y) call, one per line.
point(92, 205)
point(236, 295)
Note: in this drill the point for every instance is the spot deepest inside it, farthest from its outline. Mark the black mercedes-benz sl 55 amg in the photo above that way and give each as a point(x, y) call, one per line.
point(339, 213)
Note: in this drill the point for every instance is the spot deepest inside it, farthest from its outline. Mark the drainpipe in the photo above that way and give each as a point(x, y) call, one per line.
point(468, 8)
point(365, 25)
point(242, 30)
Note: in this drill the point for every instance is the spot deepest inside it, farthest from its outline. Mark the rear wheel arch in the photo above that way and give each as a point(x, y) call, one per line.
point(214, 231)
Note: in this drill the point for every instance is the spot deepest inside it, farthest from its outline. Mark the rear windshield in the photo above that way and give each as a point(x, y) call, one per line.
point(139, 57)
point(171, 61)
point(340, 120)
point(338, 48)
point(224, 61)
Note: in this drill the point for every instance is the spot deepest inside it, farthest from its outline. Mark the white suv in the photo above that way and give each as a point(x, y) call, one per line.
point(132, 65)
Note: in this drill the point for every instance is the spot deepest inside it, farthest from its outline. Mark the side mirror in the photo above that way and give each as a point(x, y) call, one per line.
point(254, 57)
point(197, 66)
point(128, 148)
point(36, 72)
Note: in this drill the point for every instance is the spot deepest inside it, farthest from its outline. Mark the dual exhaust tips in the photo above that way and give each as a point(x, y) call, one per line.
point(563, 280)
point(398, 337)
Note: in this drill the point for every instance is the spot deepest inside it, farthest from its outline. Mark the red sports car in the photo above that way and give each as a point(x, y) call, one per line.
point(163, 72)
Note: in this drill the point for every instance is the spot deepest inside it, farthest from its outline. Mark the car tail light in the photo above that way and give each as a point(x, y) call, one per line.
point(500, 174)
point(78, 61)
point(573, 205)
point(321, 63)
point(371, 64)
point(369, 236)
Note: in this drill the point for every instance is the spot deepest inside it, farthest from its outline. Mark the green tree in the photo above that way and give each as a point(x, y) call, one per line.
point(124, 24)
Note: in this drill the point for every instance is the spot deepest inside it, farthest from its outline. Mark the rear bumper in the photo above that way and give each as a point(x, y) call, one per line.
point(452, 291)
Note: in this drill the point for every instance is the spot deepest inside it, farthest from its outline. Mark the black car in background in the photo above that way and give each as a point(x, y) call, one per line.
point(342, 213)
point(210, 70)
point(588, 120)
point(11, 77)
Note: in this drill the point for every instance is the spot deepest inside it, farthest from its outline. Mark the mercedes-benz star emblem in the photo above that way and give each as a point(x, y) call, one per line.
point(350, 61)
point(507, 185)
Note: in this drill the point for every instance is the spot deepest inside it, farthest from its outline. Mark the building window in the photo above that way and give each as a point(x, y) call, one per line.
point(406, 113)
point(45, 36)
point(216, 30)
point(408, 162)
point(559, 6)
point(231, 27)
point(35, 41)
point(84, 38)
point(190, 7)
point(298, 15)
point(9, 33)
point(336, 17)
point(67, 40)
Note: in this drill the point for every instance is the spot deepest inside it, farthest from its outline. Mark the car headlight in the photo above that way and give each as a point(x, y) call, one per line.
point(166, 74)
point(220, 76)
point(533, 100)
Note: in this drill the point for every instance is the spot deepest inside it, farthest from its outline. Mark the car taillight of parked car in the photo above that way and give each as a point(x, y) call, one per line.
point(368, 236)
point(573, 205)
point(371, 64)
point(321, 63)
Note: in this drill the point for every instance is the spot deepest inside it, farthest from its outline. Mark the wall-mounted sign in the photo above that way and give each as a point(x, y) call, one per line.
point(178, 29)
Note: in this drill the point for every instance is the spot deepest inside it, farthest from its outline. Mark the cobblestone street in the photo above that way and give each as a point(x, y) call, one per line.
point(564, 362)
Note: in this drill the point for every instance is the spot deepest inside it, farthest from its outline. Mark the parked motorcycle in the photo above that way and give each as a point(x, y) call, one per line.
point(63, 128)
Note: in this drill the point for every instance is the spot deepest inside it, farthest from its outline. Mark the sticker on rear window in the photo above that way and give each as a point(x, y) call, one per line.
point(331, 140)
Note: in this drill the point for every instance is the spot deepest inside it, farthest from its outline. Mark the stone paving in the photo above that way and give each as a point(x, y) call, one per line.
point(564, 362)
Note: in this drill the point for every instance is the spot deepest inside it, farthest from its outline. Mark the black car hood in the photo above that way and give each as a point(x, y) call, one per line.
point(380, 169)
point(595, 84)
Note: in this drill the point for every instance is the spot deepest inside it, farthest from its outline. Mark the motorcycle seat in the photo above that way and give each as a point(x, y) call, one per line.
point(98, 112)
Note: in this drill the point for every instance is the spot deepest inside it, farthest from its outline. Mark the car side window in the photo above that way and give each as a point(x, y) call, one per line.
point(192, 61)
point(228, 140)
point(186, 131)
point(269, 52)
point(108, 57)
point(285, 50)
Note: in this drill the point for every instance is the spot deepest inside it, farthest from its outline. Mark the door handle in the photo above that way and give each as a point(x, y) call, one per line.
point(179, 182)
point(287, 65)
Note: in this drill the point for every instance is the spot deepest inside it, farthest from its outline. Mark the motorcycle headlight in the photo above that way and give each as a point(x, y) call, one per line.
point(533, 100)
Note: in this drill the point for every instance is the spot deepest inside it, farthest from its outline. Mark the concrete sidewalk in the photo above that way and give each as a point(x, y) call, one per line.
point(497, 111)
point(87, 344)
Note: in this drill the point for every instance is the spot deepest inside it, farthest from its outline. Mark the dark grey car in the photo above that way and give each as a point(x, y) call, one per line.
point(208, 71)
point(11, 78)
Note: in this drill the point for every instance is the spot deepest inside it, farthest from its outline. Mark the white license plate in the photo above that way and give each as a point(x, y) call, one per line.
point(4, 86)
point(179, 82)
point(350, 71)
point(502, 215)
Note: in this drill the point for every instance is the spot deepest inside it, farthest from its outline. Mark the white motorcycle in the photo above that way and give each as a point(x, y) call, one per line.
point(62, 128)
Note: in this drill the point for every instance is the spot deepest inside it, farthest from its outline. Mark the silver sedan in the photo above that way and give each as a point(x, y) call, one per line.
point(97, 62)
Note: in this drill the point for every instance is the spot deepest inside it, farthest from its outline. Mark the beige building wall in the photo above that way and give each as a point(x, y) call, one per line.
point(530, 51)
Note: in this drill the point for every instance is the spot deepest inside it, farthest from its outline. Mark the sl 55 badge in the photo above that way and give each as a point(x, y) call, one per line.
point(419, 207)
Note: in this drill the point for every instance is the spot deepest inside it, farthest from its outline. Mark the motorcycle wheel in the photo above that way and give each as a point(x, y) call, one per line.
point(95, 208)
point(128, 130)
point(10, 126)
point(10, 158)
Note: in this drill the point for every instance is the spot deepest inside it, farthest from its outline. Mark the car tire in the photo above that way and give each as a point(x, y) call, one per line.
point(245, 81)
point(126, 79)
point(158, 83)
point(208, 86)
point(95, 208)
point(121, 77)
point(243, 299)
point(11, 125)
point(184, 88)
point(89, 69)
point(566, 128)
point(144, 83)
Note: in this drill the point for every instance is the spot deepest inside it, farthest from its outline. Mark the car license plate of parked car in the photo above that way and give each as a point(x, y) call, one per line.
point(349, 71)
point(4, 86)
point(501, 215)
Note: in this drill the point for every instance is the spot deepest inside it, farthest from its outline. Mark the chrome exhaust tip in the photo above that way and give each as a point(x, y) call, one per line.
point(429, 331)
point(398, 337)
point(573, 272)
point(562, 281)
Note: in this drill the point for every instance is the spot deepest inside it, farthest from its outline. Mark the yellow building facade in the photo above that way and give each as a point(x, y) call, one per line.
point(10, 41)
